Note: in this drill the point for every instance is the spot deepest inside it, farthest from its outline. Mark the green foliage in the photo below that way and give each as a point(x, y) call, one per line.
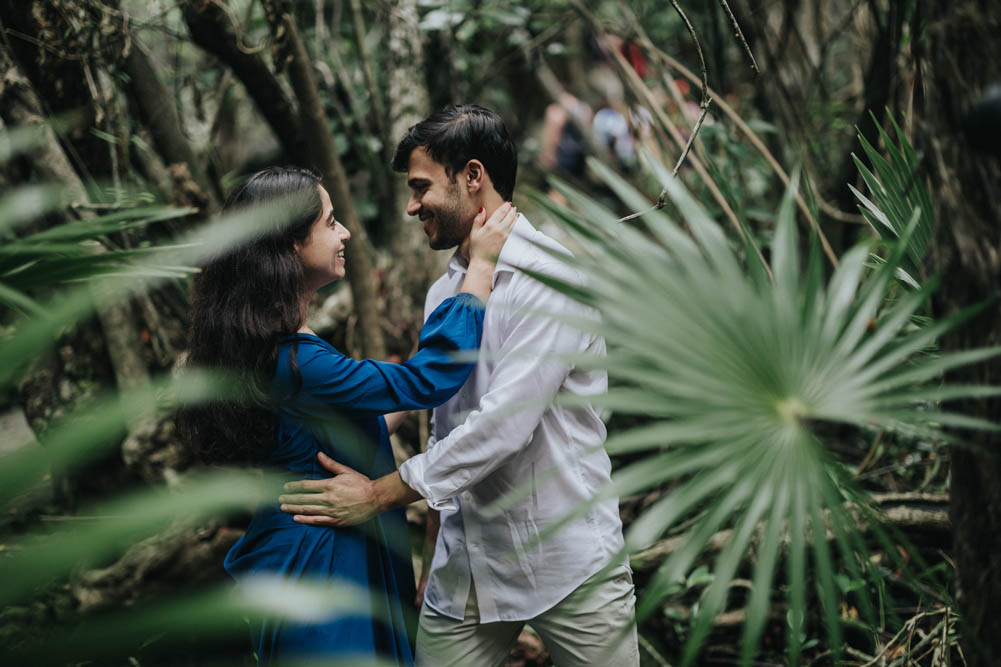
point(72, 252)
point(742, 377)
point(899, 196)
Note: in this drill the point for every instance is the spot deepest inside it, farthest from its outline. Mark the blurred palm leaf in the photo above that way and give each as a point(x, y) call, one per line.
point(94, 427)
point(739, 373)
point(40, 558)
point(219, 612)
point(111, 276)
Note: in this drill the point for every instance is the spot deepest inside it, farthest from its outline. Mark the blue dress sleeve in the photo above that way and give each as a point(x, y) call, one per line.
point(428, 379)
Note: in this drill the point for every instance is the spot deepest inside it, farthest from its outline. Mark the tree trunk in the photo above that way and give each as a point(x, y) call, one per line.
point(320, 142)
point(408, 104)
point(963, 60)
point(212, 29)
point(178, 558)
point(19, 107)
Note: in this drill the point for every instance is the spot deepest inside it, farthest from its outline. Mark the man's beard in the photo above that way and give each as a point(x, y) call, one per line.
point(452, 227)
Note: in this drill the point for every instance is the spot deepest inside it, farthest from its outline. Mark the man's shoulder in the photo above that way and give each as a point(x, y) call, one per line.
point(440, 289)
point(538, 252)
point(442, 284)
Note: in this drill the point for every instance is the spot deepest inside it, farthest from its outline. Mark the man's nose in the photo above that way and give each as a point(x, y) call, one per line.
point(413, 206)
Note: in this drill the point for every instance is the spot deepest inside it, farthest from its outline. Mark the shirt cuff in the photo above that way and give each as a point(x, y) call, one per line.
point(412, 474)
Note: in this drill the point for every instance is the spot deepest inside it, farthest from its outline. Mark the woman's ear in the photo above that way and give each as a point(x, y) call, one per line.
point(474, 173)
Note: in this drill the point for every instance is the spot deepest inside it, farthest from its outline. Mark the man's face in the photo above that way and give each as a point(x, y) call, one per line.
point(441, 204)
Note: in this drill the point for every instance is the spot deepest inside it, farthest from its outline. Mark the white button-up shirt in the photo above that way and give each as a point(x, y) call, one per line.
point(500, 434)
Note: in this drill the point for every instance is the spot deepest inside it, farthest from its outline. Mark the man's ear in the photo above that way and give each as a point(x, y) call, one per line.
point(474, 175)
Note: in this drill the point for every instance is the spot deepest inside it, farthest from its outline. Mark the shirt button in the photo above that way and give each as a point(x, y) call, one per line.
point(467, 496)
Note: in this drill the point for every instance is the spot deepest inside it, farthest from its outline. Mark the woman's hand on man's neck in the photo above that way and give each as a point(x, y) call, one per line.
point(490, 201)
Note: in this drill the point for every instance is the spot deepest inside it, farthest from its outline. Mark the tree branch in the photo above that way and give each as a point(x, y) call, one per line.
point(703, 105)
point(752, 137)
point(738, 33)
point(213, 29)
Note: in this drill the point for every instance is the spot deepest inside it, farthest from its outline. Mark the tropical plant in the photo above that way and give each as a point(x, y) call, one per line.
point(898, 195)
point(742, 371)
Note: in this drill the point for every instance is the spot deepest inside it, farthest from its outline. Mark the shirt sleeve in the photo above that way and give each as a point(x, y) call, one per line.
point(428, 379)
point(527, 374)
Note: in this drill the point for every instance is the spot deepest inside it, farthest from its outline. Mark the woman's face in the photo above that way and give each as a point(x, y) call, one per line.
point(322, 253)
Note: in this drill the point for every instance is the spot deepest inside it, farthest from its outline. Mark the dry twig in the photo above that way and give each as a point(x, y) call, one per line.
point(739, 34)
point(755, 141)
point(703, 105)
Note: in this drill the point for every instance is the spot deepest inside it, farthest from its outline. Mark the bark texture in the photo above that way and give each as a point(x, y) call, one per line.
point(408, 105)
point(963, 59)
point(20, 107)
point(53, 53)
point(177, 559)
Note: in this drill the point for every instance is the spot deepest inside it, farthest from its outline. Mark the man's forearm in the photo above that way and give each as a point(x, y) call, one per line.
point(431, 528)
point(390, 491)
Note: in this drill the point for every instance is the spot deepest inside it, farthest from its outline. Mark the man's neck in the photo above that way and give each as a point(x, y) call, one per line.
point(491, 200)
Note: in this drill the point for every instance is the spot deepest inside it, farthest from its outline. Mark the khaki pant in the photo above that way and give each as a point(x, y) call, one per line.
point(595, 626)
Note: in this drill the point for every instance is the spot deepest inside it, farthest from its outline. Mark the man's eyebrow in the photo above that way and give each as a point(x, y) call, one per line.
point(414, 182)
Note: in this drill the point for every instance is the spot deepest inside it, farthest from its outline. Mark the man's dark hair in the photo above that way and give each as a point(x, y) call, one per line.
point(460, 133)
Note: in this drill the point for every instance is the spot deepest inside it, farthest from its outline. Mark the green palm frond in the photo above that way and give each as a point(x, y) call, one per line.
point(73, 251)
point(738, 374)
point(148, 630)
point(899, 196)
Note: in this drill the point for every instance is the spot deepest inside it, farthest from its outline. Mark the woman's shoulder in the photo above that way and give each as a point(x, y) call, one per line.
point(312, 354)
point(304, 340)
point(307, 347)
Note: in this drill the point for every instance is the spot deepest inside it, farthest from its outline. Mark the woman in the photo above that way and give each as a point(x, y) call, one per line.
point(301, 396)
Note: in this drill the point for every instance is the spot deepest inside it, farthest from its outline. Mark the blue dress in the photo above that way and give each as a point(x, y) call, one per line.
point(338, 409)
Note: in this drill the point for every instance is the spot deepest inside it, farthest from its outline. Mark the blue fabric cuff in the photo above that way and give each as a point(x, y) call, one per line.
point(469, 299)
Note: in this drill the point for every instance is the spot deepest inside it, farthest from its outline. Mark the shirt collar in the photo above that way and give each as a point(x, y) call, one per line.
point(514, 247)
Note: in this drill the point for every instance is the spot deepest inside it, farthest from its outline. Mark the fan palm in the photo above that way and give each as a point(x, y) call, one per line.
point(737, 370)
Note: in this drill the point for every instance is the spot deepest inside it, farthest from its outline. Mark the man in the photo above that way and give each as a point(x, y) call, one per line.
point(503, 464)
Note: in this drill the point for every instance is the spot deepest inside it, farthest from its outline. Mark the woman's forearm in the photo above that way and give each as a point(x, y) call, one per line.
point(479, 279)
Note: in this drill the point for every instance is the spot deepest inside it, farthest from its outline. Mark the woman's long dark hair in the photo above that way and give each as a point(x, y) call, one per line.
point(244, 301)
